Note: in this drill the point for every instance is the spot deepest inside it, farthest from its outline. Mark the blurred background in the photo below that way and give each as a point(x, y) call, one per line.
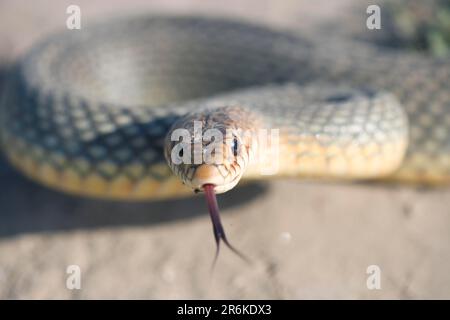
point(308, 239)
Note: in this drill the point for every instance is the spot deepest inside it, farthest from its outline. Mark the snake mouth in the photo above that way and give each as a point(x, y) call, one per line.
point(208, 174)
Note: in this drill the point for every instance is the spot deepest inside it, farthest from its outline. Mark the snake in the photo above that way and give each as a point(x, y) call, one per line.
point(101, 111)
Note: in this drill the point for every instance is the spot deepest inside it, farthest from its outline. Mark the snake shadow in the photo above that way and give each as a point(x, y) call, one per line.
point(27, 207)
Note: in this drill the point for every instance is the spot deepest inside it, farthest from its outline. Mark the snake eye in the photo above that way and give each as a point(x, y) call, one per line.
point(235, 147)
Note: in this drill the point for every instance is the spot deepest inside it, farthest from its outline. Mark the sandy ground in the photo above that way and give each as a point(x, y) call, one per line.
point(307, 240)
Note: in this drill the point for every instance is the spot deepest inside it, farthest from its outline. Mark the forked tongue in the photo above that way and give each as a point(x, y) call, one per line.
point(219, 233)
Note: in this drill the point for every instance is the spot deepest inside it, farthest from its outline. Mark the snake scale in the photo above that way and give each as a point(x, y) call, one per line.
point(89, 111)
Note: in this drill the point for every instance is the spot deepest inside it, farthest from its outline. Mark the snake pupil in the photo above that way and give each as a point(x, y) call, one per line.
point(235, 147)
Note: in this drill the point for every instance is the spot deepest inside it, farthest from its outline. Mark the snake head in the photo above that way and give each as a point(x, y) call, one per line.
point(211, 147)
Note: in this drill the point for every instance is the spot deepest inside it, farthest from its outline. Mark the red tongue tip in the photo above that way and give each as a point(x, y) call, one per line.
point(219, 233)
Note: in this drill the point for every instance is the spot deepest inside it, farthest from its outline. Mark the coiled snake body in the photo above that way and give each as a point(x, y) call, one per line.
point(88, 111)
